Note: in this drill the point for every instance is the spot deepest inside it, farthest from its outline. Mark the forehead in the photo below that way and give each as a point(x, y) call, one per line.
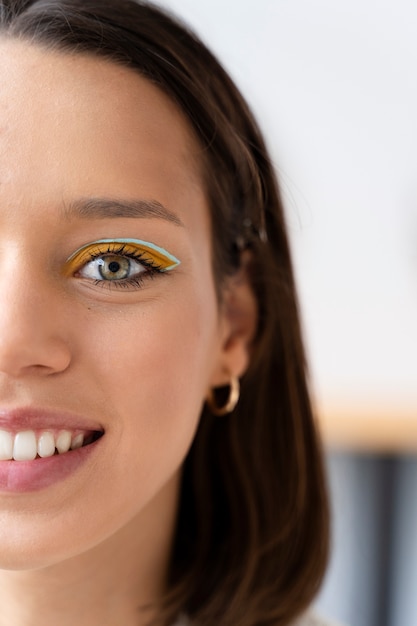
point(69, 118)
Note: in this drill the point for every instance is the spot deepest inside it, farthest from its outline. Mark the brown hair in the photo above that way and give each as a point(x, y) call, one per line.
point(252, 533)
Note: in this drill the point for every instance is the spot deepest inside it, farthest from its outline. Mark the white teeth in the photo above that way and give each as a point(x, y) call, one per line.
point(6, 446)
point(77, 441)
point(63, 441)
point(46, 444)
point(25, 447)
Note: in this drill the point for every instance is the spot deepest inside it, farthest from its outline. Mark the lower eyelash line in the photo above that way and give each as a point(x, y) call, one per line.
point(136, 281)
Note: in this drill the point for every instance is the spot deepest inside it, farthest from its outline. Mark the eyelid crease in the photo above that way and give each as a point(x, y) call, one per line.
point(157, 255)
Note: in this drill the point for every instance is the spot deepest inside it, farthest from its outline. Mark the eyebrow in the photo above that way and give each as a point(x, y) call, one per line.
point(100, 208)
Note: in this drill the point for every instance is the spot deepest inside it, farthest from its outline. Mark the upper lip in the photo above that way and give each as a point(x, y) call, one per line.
point(35, 418)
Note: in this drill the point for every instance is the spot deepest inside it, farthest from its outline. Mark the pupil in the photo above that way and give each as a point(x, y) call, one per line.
point(114, 267)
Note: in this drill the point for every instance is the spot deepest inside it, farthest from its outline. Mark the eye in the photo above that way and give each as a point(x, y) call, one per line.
point(111, 267)
point(119, 262)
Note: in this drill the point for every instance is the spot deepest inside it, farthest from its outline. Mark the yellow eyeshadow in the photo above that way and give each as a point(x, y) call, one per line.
point(144, 250)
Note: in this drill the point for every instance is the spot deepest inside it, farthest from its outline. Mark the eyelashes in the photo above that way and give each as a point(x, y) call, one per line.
point(119, 262)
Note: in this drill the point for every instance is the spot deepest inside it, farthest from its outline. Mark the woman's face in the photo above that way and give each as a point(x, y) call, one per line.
point(103, 341)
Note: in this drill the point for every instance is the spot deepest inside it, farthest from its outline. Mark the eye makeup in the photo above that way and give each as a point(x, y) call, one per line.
point(145, 252)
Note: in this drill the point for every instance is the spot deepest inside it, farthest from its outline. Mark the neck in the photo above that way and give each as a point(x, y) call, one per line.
point(112, 583)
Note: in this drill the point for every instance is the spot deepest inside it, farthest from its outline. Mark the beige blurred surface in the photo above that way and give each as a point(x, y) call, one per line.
point(378, 428)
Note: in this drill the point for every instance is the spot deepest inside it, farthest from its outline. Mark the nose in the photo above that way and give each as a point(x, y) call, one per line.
point(32, 332)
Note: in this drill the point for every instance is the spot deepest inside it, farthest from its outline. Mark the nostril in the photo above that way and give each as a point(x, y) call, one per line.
point(32, 358)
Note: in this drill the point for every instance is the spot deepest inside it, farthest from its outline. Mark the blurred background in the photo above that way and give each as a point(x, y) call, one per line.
point(333, 84)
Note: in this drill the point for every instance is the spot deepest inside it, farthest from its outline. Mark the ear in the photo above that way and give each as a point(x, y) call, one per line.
point(238, 319)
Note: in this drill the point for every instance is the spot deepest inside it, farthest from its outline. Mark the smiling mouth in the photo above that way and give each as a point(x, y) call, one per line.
point(29, 445)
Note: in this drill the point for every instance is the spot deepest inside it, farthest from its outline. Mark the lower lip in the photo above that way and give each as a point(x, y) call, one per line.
point(26, 476)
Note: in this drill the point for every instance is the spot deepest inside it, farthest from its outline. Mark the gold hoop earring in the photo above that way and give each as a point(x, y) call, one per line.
point(231, 402)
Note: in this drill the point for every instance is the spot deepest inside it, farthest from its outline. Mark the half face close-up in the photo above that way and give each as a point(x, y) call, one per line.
point(111, 331)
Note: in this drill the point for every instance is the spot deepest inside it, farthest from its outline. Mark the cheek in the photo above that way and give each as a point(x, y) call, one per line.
point(152, 370)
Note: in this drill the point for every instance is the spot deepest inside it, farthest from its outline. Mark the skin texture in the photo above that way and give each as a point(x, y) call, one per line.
point(138, 362)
